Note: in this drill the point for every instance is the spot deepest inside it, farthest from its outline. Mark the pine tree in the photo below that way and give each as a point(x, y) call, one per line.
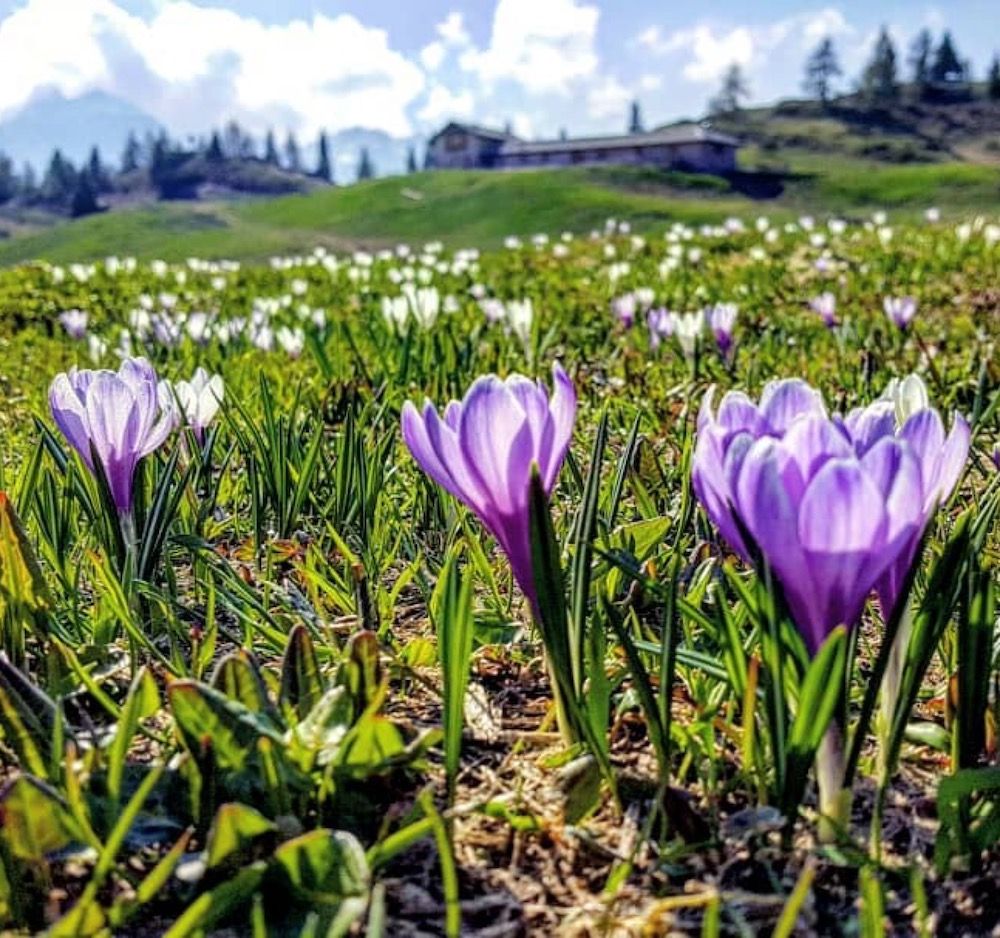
point(271, 150)
point(131, 154)
point(366, 169)
point(100, 179)
point(84, 200)
point(324, 169)
point(821, 68)
point(411, 159)
point(161, 152)
point(879, 81)
point(293, 161)
point(734, 88)
point(993, 80)
point(947, 67)
point(920, 61)
point(28, 189)
point(60, 180)
point(232, 137)
point(149, 147)
point(8, 179)
point(214, 151)
point(635, 125)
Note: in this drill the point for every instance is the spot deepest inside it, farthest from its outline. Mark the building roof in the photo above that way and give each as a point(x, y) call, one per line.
point(675, 135)
point(475, 130)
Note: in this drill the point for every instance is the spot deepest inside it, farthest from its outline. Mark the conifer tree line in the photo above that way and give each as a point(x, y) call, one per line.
point(77, 190)
point(933, 72)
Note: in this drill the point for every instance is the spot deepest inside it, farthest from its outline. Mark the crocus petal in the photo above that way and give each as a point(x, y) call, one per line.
point(867, 425)
point(925, 434)
point(952, 459)
point(783, 402)
point(114, 419)
point(771, 516)
point(563, 410)
point(427, 441)
point(738, 413)
point(493, 426)
point(711, 486)
point(813, 440)
point(894, 470)
point(70, 415)
point(842, 528)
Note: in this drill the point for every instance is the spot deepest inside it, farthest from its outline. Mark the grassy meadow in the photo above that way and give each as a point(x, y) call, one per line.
point(691, 629)
point(482, 208)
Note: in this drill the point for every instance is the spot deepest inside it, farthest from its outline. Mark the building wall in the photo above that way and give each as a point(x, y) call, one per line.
point(459, 150)
point(696, 156)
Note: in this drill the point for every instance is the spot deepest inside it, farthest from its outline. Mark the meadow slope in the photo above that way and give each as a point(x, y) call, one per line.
point(481, 208)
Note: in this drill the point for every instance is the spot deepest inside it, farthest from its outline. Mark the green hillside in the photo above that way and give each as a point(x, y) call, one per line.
point(481, 208)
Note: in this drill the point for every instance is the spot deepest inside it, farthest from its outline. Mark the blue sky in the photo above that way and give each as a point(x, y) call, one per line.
point(407, 67)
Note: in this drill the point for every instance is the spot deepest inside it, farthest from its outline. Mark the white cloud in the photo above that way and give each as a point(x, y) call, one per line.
point(608, 98)
point(709, 51)
point(432, 55)
point(650, 82)
point(542, 45)
point(452, 29)
point(711, 54)
point(442, 105)
point(193, 66)
point(452, 35)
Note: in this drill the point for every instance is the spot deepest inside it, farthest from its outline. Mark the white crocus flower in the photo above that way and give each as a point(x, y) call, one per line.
point(396, 310)
point(520, 315)
point(424, 303)
point(688, 327)
point(97, 348)
point(293, 341)
point(644, 296)
point(263, 338)
point(199, 399)
point(198, 326)
point(908, 395)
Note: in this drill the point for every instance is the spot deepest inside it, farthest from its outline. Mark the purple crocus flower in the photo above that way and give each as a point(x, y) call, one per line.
point(483, 448)
point(721, 319)
point(825, 306)
point(661, 326)
point(74, 321)
point(901, 310)
point(941, 458)
point(121, 416)
point(624, 308)
point(836, 507)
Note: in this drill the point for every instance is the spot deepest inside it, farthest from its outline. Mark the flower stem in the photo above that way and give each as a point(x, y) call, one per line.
point(126, 521)
point(834, 799)
point(891, 681)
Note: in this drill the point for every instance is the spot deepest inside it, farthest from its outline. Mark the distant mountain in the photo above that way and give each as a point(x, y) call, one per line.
point(73, 125)
point(388, 154)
